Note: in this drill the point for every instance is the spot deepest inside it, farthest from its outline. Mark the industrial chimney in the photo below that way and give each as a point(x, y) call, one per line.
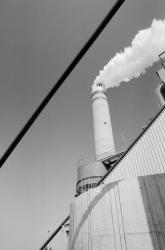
point(103, 135)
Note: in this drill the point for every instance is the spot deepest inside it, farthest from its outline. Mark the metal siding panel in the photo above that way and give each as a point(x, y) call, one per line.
point(120, 219)
point(160, 149)
point(162, 140)
point(118, 244)
point(113, 175)
point(156, 208)
point(141, 242)
point(134, 216)
point(125, 169)
point(97, 204)
point(136, 164)
point(101, 220)
point(149, 154)
point(146, 157)
point(155, 155)
point(156, 138)
point(162, 116)
point(162, 137)
point(132, 207)
point(137, 160)
point(80, 227)
point(143, 161)
point(131, 165)
point(119, 174)
point(80, 230)
point(162, 134)
point(160, 180)
point(154, 162)
point(146, 163)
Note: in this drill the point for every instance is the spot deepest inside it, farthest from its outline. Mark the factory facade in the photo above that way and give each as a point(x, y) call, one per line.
point(127, 210)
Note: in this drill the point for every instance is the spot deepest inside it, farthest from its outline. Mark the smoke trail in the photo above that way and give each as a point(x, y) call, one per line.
point(143, 52)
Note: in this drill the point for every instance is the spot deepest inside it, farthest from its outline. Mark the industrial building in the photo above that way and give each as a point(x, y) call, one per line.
point(127, 210)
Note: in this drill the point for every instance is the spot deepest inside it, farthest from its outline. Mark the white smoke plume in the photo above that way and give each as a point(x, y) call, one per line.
point(132, 62)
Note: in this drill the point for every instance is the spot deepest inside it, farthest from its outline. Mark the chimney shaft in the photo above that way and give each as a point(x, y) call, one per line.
point(103, 135)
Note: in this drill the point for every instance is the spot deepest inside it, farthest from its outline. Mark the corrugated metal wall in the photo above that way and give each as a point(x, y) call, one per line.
point(146, 157)
point(125, 215)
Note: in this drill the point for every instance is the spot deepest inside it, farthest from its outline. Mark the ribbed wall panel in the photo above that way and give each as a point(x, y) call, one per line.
point(146, 157)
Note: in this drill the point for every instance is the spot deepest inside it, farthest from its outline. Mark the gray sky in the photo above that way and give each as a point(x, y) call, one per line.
point(38, 40)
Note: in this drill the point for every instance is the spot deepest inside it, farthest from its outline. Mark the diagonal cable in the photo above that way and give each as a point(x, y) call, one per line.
point(61, 80)
point(54, 234)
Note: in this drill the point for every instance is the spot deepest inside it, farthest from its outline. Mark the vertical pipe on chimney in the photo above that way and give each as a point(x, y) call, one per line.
point(103, 135)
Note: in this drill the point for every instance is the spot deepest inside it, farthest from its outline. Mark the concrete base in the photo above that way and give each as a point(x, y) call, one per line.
point(124, 215)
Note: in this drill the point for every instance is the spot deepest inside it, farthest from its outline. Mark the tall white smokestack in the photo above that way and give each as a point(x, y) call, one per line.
point(103, 135)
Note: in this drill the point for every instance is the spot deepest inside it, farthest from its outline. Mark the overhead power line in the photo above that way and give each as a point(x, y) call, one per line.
point(73, 64)
point(61, 80)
